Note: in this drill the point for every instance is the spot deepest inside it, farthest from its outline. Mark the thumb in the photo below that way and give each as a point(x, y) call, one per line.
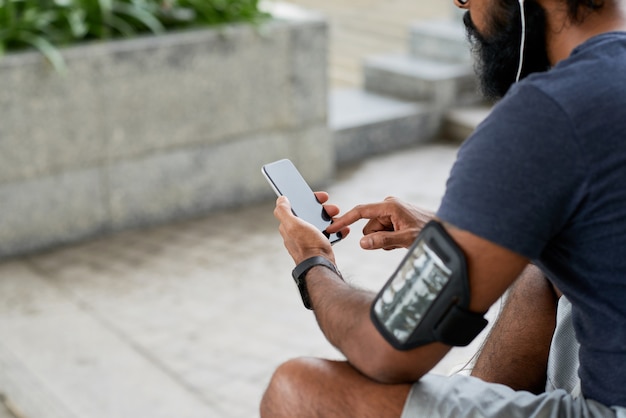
point(283, 207)
point(387, 240)
point(282, 200)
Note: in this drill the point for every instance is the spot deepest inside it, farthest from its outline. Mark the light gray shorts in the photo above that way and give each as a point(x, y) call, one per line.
point(468, 397)
point(462, 396)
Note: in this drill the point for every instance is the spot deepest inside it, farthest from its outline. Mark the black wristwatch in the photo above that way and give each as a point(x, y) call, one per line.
point(299, 275)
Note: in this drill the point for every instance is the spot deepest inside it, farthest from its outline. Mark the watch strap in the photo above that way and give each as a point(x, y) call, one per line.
point(300, 271)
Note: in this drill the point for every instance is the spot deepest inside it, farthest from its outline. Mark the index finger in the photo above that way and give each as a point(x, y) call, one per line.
point(359, 212)
point(321, 196)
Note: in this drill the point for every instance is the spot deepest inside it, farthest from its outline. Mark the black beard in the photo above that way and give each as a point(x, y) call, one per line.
point(497, 55)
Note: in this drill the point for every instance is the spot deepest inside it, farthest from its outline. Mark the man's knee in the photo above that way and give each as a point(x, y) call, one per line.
point(287, 390)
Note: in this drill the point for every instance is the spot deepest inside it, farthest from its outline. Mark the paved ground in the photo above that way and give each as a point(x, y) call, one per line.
point(188, 319)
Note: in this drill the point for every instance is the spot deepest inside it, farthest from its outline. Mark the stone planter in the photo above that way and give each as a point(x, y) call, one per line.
point(158, 128)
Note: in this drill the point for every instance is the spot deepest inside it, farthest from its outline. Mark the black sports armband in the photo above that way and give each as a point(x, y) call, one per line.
point(427, 298)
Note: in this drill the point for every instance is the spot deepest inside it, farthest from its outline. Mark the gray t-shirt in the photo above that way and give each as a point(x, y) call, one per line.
point(545, 176)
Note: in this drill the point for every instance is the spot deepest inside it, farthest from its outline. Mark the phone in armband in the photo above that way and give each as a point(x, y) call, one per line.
point(427, 298)
point(287, 181)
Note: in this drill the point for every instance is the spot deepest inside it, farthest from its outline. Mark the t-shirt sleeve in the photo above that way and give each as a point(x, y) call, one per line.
point(519, 178)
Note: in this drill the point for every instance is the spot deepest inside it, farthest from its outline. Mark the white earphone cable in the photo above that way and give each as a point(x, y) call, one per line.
point(522, 42)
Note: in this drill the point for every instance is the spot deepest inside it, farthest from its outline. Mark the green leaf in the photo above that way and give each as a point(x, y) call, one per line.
point(45, 24)
point(139, 13)
point(120, 26)
point(47, 49)
point(78, 26)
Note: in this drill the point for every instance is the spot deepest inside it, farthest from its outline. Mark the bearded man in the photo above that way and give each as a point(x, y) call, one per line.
point(537, 192)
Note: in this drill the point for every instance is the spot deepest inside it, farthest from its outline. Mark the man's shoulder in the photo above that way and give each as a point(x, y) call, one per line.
point(587, 69)
point(586, 87)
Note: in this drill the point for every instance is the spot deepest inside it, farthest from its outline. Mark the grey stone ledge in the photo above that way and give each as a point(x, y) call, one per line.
point(128, 98)
point(366, 124)
point(459, 123)
point(440, 39)
point(112, 146)
point(350, 108)
point(418, 79)
point(418, 67)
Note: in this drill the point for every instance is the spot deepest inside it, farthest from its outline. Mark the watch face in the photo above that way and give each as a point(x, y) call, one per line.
point(411, 291)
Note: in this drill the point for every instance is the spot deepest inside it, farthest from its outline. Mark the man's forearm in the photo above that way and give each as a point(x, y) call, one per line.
point(342, 312)
point(516, 351)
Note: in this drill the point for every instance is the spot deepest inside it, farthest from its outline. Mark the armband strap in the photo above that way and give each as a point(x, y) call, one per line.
point(459, 327)
point(299, 275)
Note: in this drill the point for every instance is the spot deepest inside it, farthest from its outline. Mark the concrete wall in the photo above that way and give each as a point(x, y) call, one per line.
point(159, 128)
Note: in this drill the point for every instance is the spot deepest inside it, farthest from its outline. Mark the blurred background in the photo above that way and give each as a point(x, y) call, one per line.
point(141, 270)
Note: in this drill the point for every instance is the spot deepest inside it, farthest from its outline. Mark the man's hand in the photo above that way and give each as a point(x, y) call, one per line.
point(392, 223)
point(302, 239)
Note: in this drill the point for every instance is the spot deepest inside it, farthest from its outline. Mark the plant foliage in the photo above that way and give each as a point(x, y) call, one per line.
point(48, 24)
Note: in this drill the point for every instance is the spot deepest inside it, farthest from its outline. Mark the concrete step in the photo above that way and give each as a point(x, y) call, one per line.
point(459, 123)
point(365, 124)
point(440, 40)
point(443, 84)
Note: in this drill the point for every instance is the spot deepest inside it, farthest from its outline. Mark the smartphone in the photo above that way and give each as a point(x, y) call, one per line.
point(287, 181)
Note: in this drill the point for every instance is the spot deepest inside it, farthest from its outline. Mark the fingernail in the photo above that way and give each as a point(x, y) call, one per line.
point(339, 235)
point(366, 242)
